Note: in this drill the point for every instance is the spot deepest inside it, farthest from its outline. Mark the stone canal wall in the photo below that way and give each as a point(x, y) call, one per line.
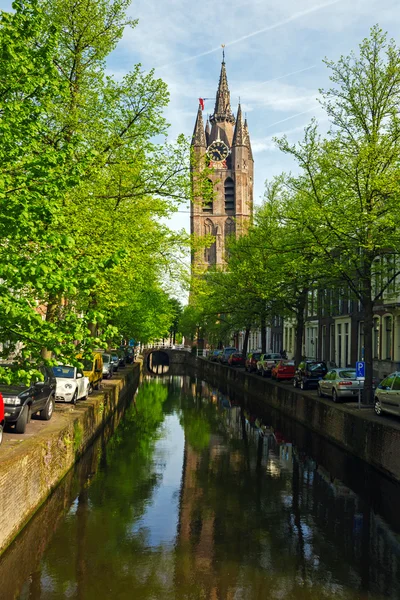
point(33, 469)
point(374, 439)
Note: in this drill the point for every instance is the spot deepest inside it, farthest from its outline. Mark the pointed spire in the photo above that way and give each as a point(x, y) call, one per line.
point(208, 130)
point(239, 136)
point(222, 110)
point(199, 137)
point(247, 139)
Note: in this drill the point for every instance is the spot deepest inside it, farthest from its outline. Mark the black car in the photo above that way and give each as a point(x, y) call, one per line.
point(21, 401)
point(308, 373)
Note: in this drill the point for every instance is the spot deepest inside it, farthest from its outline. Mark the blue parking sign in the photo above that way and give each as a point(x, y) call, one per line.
point(360, 370)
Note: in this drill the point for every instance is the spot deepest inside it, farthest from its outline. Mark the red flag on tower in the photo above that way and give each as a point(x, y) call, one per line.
point(201, 102)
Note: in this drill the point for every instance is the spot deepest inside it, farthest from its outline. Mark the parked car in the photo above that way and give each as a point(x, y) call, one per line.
point(2, 420)
point(121, 357)
point(214, 355)
point(308, 373)
point(225, 354)
point(251, 361)
point(127, 351)
point(72, 385)
point(22, 400)
point(387, 395)
point(115, 360)
point(267, 362)
point(284, 369)
point(339, 383)
point(236, 360)
point(108, 366)
point(93, 369)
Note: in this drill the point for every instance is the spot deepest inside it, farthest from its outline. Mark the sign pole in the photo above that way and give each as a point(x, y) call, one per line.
point(360, 376)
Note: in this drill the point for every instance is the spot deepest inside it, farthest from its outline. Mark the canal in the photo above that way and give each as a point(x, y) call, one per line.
point(203, 496)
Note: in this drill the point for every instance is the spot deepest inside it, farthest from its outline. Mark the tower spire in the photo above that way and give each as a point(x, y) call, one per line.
point(222, 110)
point(199, 136)
point(239, 136)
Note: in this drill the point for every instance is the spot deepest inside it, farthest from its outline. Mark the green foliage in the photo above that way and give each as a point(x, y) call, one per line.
point(84, 256)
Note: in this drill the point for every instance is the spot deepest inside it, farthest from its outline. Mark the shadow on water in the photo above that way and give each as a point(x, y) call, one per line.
point(202, 493)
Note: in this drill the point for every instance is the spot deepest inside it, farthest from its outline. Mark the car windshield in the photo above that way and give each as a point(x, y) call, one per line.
point(289, 363)
point(316, 366)
point(349, 374)
point(66, 372)
point(106, 358)
point(256, 355)
point(114, 356)
point(87, 365)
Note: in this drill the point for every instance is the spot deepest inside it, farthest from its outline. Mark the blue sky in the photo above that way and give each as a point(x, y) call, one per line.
point(274, 53)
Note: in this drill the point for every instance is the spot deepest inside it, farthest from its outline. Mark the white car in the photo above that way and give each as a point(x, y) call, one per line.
point(72, 385)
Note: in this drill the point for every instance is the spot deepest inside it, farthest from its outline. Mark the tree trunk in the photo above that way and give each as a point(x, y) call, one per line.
point(246, 341)
point(300, 308)
point(368, 350)
point(263, 327)
point(51, 316)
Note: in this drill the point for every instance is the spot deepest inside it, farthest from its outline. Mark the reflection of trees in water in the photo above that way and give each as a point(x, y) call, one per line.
point(255, 520)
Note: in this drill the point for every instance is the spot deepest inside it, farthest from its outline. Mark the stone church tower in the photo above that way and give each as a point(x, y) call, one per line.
point(225, 144)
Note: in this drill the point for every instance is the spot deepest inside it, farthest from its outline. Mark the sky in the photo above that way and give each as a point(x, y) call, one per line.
point(274, 52)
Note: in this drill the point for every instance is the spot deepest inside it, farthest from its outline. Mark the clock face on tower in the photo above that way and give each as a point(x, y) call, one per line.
point(218, 151)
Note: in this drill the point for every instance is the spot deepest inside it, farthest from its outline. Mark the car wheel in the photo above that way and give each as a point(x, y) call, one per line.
point(303, 385)
point(75, 397)
point(1, 433)
point(21, 424)
point(377, 407)
point(334, 396)
point(320, 394)
point(90, 389)
point(294, 382)
point(48, 410)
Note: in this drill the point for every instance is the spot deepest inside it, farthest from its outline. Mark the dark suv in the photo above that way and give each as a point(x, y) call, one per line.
point(21, 401)
point(308, 373)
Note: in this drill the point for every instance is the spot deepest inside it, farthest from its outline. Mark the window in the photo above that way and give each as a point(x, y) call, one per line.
point(375, 339)
point(339, 341)
point(229, 232)
point(388, 382)
point(388, 335)
point(229, 188)
point(209, 253)
point(346, 344)
point(208, 197)
point(396, 384)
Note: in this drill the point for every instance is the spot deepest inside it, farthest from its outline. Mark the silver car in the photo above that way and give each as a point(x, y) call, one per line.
point(339, 383)
point(387, 395)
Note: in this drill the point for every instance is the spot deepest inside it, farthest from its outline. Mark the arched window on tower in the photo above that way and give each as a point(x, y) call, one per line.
point(210, 253)
point(229, 188)
point(229, 232)
point(208, 195)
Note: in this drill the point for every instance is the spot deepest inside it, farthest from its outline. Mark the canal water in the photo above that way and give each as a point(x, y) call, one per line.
point(200, 495)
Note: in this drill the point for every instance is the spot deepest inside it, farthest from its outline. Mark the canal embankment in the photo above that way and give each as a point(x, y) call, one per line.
point(31, 467)
point(374, 439)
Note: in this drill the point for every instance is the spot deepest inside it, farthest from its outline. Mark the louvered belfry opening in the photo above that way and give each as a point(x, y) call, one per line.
point(229, 188)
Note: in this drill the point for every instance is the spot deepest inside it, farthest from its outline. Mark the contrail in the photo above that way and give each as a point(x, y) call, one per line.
point(280, 77)
point(292, 117)
point(293, 17)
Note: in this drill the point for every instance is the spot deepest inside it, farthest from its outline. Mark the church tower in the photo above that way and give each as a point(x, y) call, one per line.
point(224, 145)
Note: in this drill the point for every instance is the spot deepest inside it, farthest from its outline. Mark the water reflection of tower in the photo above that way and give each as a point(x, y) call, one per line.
point(195, 541)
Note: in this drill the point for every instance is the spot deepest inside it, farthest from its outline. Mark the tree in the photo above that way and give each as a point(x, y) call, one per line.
point(347, 194)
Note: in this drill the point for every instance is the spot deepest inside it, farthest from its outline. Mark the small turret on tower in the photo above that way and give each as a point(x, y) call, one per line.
point(199, 136)
point(208, 131)
point(239, 136)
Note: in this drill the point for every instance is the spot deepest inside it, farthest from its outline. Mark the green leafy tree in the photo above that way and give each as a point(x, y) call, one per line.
point(347, 194)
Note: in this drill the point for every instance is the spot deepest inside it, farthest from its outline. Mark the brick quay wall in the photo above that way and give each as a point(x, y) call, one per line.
point(32, 469)
point(376, 440)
